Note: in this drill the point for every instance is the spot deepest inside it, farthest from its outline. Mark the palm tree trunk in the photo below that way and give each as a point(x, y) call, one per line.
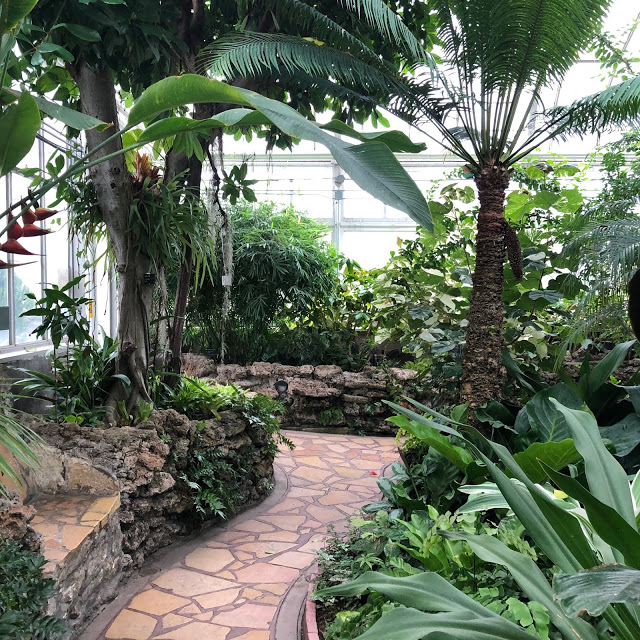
point(482, 370)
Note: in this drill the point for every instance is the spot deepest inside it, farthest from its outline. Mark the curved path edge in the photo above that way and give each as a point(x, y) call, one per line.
point(248, 579)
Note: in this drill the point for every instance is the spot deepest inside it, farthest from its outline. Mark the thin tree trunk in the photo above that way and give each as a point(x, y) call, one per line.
point(113, 192)
point(482, 371)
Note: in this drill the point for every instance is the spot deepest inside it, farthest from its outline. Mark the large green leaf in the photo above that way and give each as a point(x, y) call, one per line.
point(177, 91)
point(530, 578)
point(484, 502)
point(70, 117)
point(603, 370)
point(557, 532)
point(625, 435)
point(593, 590)
point(607, 479)
point(371, 165)
point(397, 141)
point(556, 455)
point(409, 624)
point(545, 419)
point(425, 591)
point(605, 520)
point(174, 125)
point(19, 125)
point(427, 434)
point(12, 11)
point(634, 396)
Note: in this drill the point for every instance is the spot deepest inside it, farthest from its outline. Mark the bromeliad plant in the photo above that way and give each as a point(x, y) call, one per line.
point(579, 528)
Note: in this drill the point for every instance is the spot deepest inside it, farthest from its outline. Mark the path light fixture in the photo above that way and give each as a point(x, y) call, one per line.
point(281, 387)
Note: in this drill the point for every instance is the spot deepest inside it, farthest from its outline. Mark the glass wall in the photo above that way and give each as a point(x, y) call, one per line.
point(49, 263)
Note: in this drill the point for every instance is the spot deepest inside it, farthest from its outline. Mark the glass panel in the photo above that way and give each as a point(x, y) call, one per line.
point(27, 276)
point(26, 280)
point(359, 204)
point(57, 250)
point(372, 248)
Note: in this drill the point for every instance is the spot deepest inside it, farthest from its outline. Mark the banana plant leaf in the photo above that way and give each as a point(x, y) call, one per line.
point(592, 591)
point(371, 164)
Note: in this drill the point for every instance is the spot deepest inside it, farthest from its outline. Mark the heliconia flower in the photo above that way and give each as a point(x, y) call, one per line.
point(7, 265)
point(32, 231)
point(14, 232)
point(42, 213)
point(13, 246)
point(29, 217)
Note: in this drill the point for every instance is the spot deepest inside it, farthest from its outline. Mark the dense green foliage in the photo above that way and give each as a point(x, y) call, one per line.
point(24, 594)
point(212, 480)
point(282, 268)
point(405, 547)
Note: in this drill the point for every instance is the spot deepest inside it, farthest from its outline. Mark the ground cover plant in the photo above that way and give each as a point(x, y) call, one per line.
point(24, 595)
point(590, 523)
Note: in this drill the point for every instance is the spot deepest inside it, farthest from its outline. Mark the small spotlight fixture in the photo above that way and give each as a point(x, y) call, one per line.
point(281, 386)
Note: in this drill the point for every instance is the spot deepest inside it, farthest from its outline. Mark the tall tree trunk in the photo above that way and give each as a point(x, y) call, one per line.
point(176, 332)
point(113, 191)
point(482, 370)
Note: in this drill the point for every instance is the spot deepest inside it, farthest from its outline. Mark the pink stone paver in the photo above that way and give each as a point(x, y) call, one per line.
point(229, 588)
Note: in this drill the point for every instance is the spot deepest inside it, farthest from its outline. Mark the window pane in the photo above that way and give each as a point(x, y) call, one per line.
point(372, 248)
point(26, 280)
point(57, 250)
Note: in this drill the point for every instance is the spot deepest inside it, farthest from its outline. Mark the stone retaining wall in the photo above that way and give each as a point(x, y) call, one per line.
point(148, 461)
point(155, 503)
point(323, 398)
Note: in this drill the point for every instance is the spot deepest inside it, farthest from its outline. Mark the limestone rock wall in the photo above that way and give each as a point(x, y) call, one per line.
point(148, 461)
point(324, 397)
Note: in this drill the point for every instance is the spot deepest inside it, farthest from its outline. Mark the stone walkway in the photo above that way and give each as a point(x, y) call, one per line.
point(231, 585)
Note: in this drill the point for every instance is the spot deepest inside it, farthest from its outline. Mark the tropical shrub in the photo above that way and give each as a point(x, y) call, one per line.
point(84, 370)
point(402, 547)
point(576, 527)
point(604, 247)
point(24, 594)
point(199, 399)
point(421, 297)
point(282, 268)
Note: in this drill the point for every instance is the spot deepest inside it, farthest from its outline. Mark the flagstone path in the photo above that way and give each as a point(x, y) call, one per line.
point(231, 585)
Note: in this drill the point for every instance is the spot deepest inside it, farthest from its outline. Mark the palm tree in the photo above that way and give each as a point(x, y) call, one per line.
point(482, 102)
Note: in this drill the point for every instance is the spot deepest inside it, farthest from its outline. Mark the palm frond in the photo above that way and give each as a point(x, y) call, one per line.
point(377, 14)
point(612, 107)
point(606, 255)
point(501, 53)
point(255, 54)
point(18, 440)
point(308, 21)
point(510, 43)
point(614, 245)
